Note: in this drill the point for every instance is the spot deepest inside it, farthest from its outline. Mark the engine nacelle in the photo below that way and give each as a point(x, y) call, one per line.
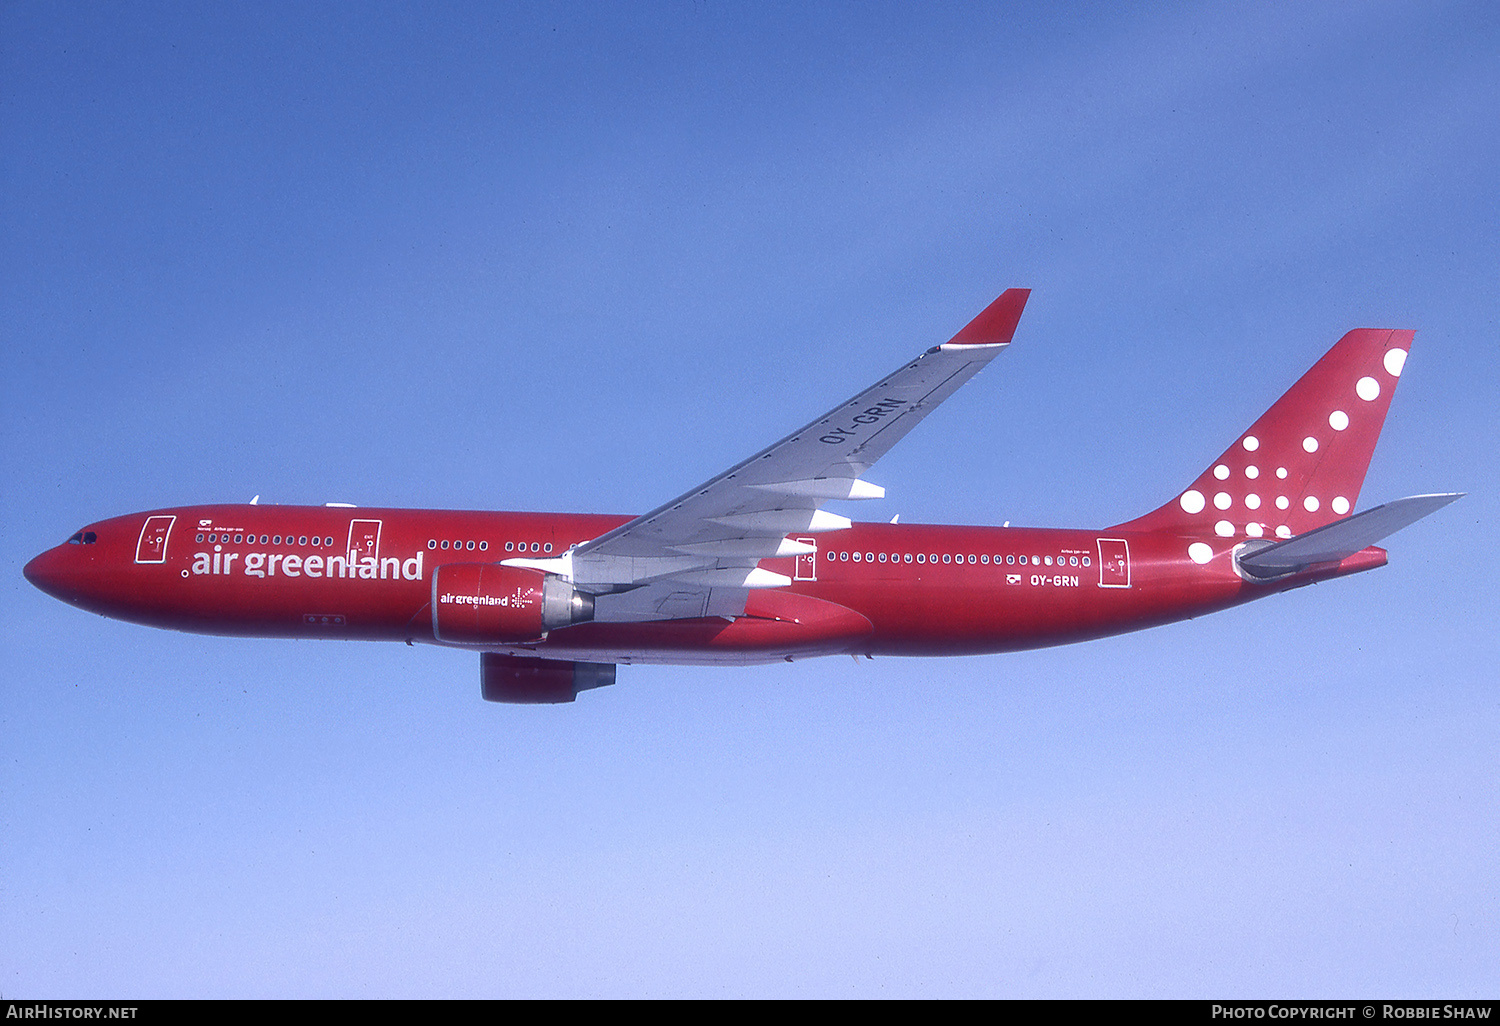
point(487, 604)
point(535, 681)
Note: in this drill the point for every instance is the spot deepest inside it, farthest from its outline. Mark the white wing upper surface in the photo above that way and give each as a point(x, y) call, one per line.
point(696, 555)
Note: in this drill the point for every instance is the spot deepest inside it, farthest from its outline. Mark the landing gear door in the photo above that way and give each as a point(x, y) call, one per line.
point(1114, 563)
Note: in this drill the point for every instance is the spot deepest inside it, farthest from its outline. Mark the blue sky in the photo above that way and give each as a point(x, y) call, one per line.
point(582, 257)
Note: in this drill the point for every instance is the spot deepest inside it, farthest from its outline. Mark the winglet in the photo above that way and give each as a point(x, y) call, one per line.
point(996, 323)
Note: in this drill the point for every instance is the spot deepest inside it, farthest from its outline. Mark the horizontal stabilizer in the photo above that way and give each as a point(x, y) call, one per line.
point(1342, 538)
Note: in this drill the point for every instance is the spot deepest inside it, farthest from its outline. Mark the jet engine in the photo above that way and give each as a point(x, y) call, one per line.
point(533, 681)
point(487, 604)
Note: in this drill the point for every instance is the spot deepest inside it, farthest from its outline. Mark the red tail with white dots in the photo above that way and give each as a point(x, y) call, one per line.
point(1301, 465)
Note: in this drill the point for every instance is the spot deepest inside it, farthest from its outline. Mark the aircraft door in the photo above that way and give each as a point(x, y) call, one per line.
point(152, 545)
point(1114, 563)
point(807, 562)
point(364, 539)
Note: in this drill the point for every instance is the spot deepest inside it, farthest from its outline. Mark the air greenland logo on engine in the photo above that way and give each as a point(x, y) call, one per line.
point(871, 415)
point(519, 600)
point(287, 564)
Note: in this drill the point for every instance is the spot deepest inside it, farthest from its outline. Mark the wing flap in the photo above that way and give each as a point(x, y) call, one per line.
point(826, 488)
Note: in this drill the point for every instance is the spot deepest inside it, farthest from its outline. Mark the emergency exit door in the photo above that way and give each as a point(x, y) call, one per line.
point(1114, 563)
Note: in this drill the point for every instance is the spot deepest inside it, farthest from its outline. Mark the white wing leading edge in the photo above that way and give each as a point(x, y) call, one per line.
point(696, 555)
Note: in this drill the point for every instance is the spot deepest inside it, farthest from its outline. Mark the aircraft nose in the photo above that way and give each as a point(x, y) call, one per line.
point(50, 573)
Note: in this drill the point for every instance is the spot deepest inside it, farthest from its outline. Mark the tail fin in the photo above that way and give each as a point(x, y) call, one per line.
point(1301, 465)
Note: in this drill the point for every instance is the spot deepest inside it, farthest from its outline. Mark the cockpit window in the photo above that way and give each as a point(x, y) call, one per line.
point(77, 539)
point(83, 538)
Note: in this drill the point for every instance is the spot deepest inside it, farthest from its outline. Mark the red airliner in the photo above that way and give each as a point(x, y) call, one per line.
point(749, 568)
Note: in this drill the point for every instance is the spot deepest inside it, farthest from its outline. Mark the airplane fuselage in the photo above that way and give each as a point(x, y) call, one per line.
point(749, 567)
point(875, 589)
